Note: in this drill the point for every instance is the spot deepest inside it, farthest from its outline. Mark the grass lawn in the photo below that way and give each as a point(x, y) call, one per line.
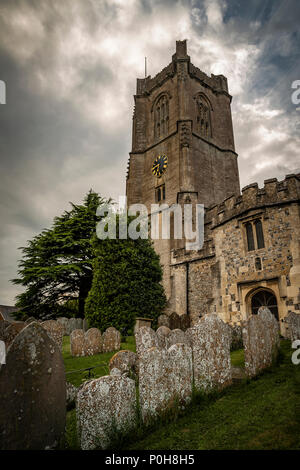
point(262, 413)
point(73, 365)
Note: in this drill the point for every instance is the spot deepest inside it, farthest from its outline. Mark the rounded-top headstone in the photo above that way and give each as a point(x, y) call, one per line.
point(145, 338)
point(12, 331)
point(33, 392)
point(55, 330)
point(111, 340)
point(125, 361)
point(93, 342)
point(162, 332)
point(163, 320)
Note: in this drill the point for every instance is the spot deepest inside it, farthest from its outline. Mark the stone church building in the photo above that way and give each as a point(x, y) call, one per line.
point(251, 254)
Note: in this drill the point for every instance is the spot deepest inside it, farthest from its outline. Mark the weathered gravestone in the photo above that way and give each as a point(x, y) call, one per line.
point(55, 330)
point(162, 333)
point(104, 408)
point(293, 323)
point(210, 339)
point(176, 336)
point(30, 320)
point(12, 331)
point(185, 322)
point(93, 342)
point(174, 321)
point(111, 339)
point(261, 341)
point(77, 343)
point(145, 338)
point(75, 324)
point(85, 343)
point(125, 361)
point(3, 325)
point(163, 320)
point(180, 370)
point(33, 392)
point(65, 324)
point(165, 380)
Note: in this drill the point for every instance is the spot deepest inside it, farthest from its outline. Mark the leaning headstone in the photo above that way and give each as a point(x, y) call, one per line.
point(175, 322)
point(93, 342)
point(293, 323)
point(180, 373)
point(55, 331)
point(111, 340)
point(33, 390)
point(65, 324)
point(77, 343)
point(12, 331)
point(145, 338)
point(175, 337)
point(163, 320)
point(154, 388)
point(210, 339)
point(125, 361)
point(162, 333)
point(105, 407)
point(260, 342)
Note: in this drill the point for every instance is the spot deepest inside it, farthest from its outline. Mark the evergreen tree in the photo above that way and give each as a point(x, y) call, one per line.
point(56, 268)
point(126, 284)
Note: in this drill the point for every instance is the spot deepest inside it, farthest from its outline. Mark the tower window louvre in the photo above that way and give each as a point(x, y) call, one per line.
point(161, 114)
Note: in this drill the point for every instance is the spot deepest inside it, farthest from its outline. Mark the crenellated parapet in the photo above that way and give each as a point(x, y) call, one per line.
point(217, 83)
point(273, 193)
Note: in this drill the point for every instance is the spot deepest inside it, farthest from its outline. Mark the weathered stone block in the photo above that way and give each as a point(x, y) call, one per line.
point(55, 330)
point(125, 361)
point(145, 338)
point(163, 320)
point(162, 333)
point(293, 322)
point(210, 339)
point(33, 390)
point(12, 331)
point(261, 341)
point(111, 340)
point(65, 324)
point(77, 343)
point(180, 373)
point(93, 342)
point(175, 337)
point(105, 407)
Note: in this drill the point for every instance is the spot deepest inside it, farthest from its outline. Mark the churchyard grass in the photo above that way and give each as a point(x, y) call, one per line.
point(262, 413)
point(77, 363)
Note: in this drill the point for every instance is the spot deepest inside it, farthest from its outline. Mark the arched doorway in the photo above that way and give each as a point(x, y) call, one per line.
point(264, 298)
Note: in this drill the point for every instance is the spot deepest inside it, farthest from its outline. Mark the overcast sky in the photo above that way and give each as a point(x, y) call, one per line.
point(70, 68)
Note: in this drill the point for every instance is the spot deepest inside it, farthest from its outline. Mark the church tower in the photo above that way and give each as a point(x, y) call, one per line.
point(183, 116)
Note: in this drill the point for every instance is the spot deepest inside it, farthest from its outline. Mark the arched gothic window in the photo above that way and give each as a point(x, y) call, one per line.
point(161, 117)
point(203, 116)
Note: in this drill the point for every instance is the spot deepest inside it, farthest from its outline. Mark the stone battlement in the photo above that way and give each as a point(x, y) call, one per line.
point(252, 197)
point(216, 82)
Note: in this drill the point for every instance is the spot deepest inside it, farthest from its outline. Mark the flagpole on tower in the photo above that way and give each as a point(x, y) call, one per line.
point(145, 67)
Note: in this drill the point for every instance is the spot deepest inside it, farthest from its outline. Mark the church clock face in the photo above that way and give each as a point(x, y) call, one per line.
point(159, 165)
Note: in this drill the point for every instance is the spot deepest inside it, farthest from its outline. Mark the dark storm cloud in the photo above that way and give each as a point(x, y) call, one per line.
point(70, 67)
